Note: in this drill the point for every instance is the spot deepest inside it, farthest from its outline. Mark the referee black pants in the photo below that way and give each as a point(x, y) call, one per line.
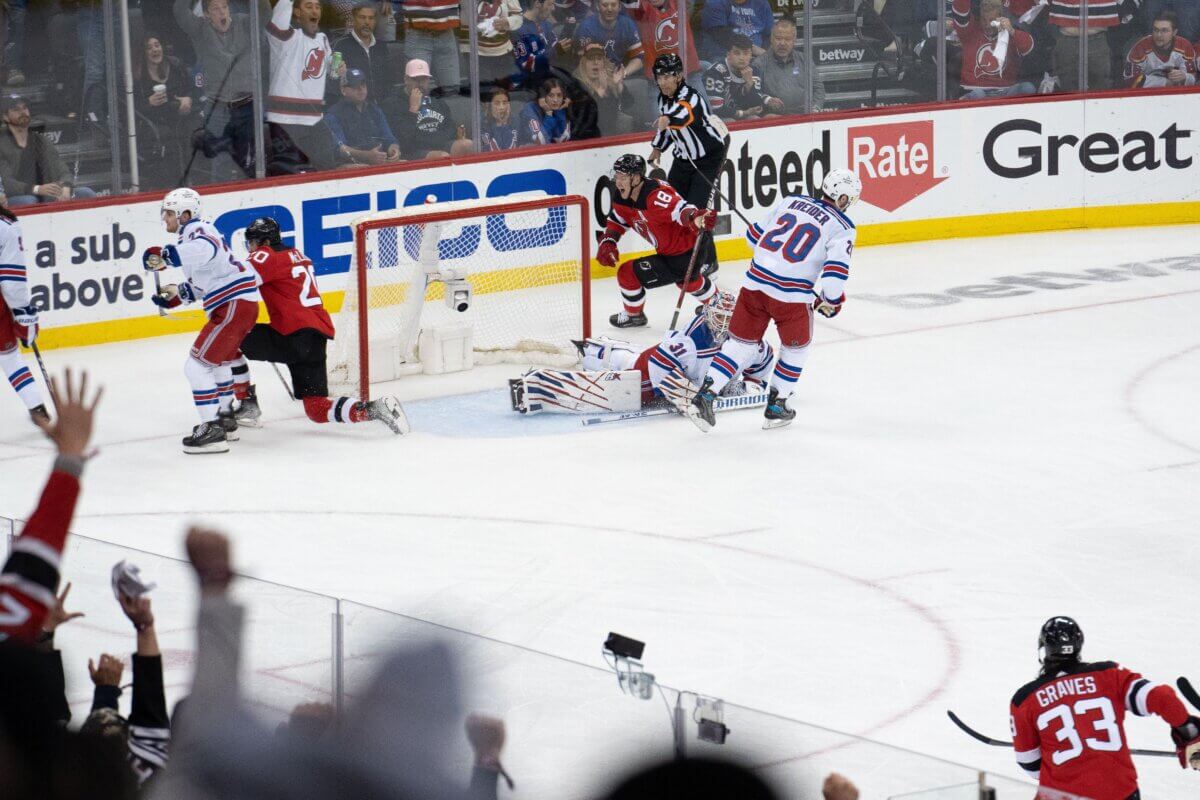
point(695, 183)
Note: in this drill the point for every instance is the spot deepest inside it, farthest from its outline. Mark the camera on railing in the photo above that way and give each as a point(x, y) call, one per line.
point(624, 655)
point(627, 654)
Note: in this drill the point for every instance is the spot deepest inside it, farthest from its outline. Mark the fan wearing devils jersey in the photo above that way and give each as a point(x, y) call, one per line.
point(30, 577)
point(670, 224)
point(1068, 725)
point(301, 66)
point(229, 293)
point(297, 335)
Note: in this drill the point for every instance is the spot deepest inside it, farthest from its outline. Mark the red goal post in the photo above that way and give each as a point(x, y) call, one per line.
point(526, 260)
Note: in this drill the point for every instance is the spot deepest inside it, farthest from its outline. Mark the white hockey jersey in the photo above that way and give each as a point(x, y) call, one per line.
point(299, 68)
point(689, 351)
point(14, 288)
point(211, 268)
point(802, 241)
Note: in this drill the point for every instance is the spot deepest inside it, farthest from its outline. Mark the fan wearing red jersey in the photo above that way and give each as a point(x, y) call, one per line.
point(1068, 724)
point(297, 335)
point(30, 577)
point(669, 223)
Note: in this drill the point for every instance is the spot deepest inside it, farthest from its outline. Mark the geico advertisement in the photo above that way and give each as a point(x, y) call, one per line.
point(85, 265)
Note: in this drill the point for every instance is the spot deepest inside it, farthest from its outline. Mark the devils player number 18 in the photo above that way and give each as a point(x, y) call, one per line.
point(1106, 724)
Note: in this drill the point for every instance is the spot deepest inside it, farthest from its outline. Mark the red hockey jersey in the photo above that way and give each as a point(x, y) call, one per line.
point(659, 28)
point(1070, 727)
point(655, 216)
point(289, 290)
point(984, 66)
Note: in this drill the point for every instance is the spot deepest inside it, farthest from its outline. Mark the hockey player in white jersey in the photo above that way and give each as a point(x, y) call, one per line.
point(229, 291)
point(670, 368)
point(18, 316)
point(800, 265)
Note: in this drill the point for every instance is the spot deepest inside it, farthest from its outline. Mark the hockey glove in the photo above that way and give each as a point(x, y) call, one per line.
point(26, 320)
point(608, 254)
point(168, 297)
point(828, 308)
point(1187, 743)
point(152, 259)
point(703, 219)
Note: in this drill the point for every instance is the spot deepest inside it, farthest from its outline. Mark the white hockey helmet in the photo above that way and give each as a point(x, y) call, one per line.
point(718, 312)
point(842, 182)
point(181, 200)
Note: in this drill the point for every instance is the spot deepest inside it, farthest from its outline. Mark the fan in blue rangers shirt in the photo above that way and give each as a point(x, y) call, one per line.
point(682, 354)
point(804, 240)
point(500, 131)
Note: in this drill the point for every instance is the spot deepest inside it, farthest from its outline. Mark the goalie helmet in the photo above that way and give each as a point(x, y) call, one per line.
point(1061, 640)
point(264, 232)
point(718, 313)
point(630, 164)
point(181, 200)
point(841, 182)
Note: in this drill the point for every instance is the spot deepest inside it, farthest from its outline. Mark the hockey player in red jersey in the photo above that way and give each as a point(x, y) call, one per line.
point(671, 225)
point(297, 334)
point(30, 577)
point(1068, 724)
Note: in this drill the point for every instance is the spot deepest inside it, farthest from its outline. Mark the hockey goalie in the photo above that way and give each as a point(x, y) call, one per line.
point(617, 378)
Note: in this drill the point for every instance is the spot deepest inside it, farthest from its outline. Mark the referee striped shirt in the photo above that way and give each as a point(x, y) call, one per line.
point(695, 132)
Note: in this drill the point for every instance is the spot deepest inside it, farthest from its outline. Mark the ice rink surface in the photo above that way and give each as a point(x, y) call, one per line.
point(994, 431)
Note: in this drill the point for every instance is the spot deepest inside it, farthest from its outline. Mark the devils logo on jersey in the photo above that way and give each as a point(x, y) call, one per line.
point(666, 33)
point(314, 64)
point(986, 62)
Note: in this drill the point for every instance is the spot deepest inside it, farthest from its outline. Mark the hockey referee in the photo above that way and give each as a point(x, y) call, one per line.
point(698, 136)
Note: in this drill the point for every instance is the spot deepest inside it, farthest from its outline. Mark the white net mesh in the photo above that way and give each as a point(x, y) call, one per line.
point(524, 266)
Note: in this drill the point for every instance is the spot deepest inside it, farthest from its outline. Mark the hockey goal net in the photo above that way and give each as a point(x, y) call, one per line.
point(524, 265)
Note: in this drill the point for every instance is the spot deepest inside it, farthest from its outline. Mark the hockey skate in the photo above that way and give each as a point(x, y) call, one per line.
point(39, 414)
point(777, 414)
point(389, 411)
point(248, 414)
point(207, 437)
point(626, 320)
point(228, 424)
point(700, 411)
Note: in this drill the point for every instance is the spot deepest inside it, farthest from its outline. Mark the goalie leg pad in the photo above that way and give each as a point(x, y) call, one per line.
point(603, 353)
point(576, 391)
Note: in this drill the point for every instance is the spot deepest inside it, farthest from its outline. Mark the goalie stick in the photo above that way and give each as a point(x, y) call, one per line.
point(974, 734)
point(751, 400)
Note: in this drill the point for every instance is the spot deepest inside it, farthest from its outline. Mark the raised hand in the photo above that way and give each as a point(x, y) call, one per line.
point(72, 430)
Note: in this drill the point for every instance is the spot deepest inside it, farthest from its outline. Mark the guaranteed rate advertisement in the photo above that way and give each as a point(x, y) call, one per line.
point(928, 174)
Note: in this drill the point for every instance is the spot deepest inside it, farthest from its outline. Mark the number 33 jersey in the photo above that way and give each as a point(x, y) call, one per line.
point(802, 241)
point(289, 290)
point(1071, 727)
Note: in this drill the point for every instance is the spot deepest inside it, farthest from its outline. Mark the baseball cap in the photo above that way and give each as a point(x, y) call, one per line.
point(9, 100)
point(417, 69)
point(354, 77)
point(593, 50)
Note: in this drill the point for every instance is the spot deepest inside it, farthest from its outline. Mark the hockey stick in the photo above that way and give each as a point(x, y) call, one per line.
point(754, 400)
point(283, 380)
point(974, 734)
point(715, 187)
point(687, 276)
point(162, 312)
point(1188, 691)
point(37, 354)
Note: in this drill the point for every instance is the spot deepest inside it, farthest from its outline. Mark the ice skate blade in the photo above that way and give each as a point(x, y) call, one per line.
point(768, 424)
point(256, 422)
point(693, 413)
point(215, 447)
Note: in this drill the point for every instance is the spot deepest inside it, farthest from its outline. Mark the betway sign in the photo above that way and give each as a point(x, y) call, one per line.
point(895, 161)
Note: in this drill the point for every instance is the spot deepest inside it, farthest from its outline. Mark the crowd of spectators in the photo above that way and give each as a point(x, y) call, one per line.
point(394, 739)
point(369, 82)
